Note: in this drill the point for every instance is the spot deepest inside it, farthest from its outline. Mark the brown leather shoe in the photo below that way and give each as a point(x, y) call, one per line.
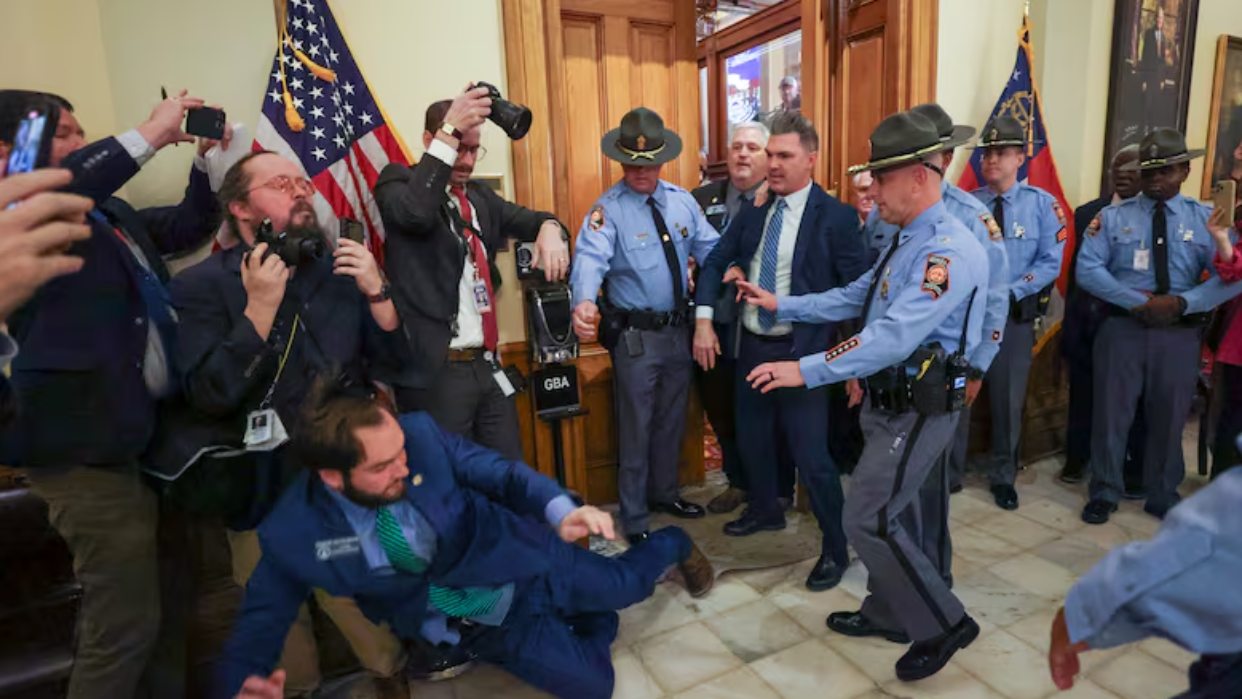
point(696, 572)
point(396, 687)
point(728, 501)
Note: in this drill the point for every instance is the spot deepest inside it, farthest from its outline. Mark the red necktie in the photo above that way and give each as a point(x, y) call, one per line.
point(491, 333)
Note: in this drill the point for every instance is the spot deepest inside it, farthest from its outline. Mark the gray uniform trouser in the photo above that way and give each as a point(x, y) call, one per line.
point(651, 393)
point(907, 591)
point(927, 519)
point(1006, 394)
point(1160, 365)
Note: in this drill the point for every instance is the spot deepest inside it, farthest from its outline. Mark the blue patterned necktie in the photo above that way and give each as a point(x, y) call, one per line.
point(767, 264)
point(462, 603)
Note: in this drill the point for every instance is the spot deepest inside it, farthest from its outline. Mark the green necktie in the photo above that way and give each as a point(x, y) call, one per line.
point(462, 603)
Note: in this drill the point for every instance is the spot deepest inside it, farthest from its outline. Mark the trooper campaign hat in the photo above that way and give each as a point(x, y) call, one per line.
point(904, 138)
point(1162, 147)
point(641, 140)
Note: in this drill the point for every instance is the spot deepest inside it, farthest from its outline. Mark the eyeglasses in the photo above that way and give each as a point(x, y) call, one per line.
point(288, 185)
point(479, 152)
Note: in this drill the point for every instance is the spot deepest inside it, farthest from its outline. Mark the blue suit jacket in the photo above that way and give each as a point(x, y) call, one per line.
point(829, 253)
point(487, 513)
point(79, 378)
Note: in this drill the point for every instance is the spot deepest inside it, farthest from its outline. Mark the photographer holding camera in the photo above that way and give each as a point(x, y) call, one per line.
point(443, 234)
point(259, 322)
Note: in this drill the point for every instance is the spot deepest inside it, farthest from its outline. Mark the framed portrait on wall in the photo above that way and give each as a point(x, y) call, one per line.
point(1224, 144)
point(1149, 81)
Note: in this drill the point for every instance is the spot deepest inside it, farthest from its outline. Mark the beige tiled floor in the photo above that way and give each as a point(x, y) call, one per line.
point(761, 634)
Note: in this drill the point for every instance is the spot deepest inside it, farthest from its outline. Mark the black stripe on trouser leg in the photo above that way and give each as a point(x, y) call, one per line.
point(944, 514)
point(900, 555)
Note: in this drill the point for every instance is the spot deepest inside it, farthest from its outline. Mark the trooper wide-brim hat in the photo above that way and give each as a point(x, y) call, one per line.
point(904, 138)
point(1162, 147)
point(641, 140)
point(1004, 131)
point(944, 123)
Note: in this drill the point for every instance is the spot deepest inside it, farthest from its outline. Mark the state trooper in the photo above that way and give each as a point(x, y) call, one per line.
point(635, 244)
point(1146, 256)
point(920, 322)
point(930, 515)
point(1033, 225)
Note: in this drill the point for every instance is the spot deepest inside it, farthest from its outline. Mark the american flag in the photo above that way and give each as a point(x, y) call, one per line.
point(319, 112)
point(1020, 100)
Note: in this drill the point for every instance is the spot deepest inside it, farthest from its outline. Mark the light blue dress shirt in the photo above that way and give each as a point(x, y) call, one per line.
point(618, 247)
point(1034, 233)
point(1117, 264)
point(1181, 585)
point(907, 311)
point(974, 215)
point(422, 540)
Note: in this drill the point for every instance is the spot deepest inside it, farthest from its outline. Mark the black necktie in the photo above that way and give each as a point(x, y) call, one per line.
point(998, 213)
point(1160, 247)
point(879, 272)
point(670, 252)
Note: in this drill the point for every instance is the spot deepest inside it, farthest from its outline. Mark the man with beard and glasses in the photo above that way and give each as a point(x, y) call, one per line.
point(425, 528)
point(257, 326)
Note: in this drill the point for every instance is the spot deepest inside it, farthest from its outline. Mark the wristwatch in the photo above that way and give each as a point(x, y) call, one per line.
point(449, 130)
point(384, 294)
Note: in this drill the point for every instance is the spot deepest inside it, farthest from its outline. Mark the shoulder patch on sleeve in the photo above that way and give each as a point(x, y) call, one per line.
point(936, 275)
point(994, 229)
point(1093, 228)
point(1063, 234)
point(851, 344)
point(1060, 213)
point(596, 219)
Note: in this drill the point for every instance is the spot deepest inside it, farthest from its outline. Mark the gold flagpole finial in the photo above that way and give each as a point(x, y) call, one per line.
point(1026, 9)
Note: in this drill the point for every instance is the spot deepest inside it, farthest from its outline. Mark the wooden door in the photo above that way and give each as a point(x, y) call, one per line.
point(584, 64)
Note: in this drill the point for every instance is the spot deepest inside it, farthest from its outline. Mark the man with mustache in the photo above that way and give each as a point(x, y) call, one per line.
point(258, 324)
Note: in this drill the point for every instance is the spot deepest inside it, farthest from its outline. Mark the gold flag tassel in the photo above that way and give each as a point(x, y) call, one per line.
point(325, 74)
point(295, 121)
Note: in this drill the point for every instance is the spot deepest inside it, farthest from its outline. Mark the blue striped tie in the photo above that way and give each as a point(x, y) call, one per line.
point(767, 265)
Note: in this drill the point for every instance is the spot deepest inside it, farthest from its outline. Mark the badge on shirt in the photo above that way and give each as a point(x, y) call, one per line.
point(1142, 259)
point(482, 300)
point(685, 233)
point(994, 229)
point(884, 289)
point(327, 549)
point(716, 210)
point(264, 431)
point(596, 219)
point(1188, 236)
point(936, 276)
point(1019, 231)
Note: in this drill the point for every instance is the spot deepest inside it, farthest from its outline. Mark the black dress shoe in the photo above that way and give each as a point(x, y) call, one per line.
point(855, 624)
point(1134, 491)
point(1005, 496)
point(436, 662)
point(825, 575)
point(679, 508)
point(1072, 473)
point(636, 539)
point(926, 658)
point(1160, 509)
point(955, 488)
point(749, 524)
point(1097, 511)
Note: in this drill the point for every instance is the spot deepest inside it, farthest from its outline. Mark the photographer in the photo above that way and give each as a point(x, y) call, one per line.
point(443, 234)
point(259, 322)
point(95, 347)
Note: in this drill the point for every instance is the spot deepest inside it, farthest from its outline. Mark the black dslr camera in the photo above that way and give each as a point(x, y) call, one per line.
point(293, 250)
point(512, 118)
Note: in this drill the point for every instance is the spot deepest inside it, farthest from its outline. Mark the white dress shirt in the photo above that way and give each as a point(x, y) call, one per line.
point(469, 321)
point(791, 221)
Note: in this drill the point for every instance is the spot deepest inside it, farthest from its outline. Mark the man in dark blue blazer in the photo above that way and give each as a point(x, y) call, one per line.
point(95, 358)
point(442, 539)
point(802, 241)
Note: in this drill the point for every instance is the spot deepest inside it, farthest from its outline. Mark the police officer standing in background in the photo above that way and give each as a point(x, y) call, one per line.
point(1033, 226)
point(635, 243)
point(922, 310)
point(1145, 257)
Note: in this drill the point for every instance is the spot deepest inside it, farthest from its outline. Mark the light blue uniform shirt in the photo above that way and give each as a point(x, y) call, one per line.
point(921, 298)
point(422, 540)
point(1112, 267)
point(1034, 236)
point(618, 245)
point(1181, 585)
point(975, 216)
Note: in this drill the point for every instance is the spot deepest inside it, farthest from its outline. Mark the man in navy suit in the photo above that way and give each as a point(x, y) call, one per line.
point(95, 359)
point(802, 241)
point(443, 539)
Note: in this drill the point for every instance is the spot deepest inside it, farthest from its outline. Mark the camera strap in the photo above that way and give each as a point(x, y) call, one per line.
point(280, 367)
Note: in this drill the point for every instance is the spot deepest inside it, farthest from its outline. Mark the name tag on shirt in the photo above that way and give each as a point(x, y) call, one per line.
point(716, 209)
point(482, 303)
point(1142, 259)
point(328, 549)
